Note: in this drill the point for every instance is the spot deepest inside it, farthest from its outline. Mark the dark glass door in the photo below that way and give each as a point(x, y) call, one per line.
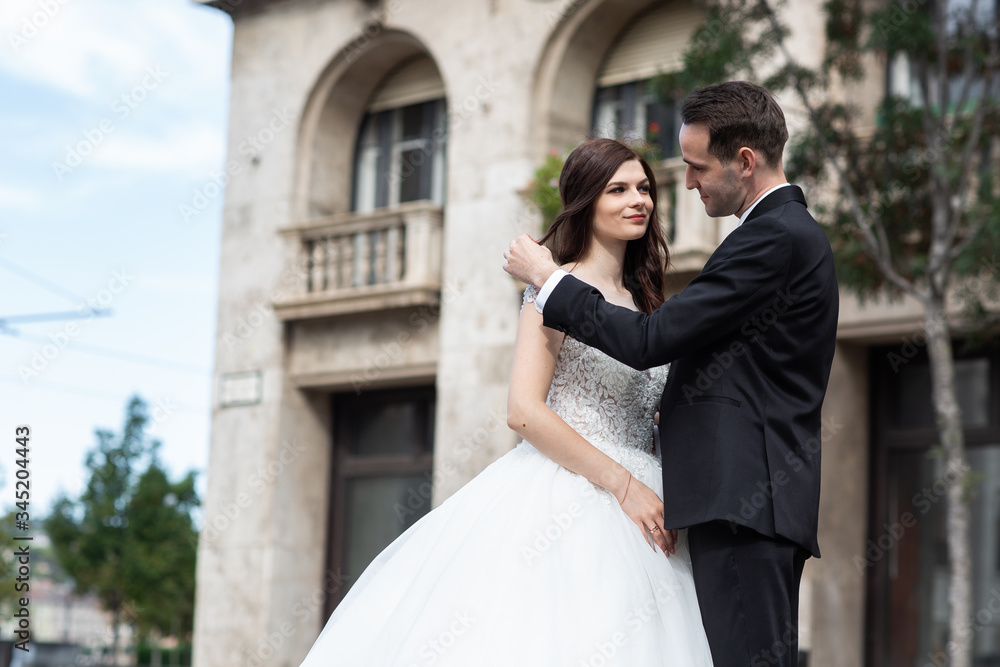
point(381, 477)
point(906, 556)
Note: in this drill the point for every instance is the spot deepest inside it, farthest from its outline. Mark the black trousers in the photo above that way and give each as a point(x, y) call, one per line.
point(748, 591)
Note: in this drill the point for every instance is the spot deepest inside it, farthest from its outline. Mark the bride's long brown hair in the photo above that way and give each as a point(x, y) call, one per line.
point(588, 170)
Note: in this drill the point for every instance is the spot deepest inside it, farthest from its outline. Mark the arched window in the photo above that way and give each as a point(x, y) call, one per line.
point(625, 107)
point(401, 146)
point(371, 185)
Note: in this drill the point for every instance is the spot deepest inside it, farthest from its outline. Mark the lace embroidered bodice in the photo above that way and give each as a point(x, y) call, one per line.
point(605, 401)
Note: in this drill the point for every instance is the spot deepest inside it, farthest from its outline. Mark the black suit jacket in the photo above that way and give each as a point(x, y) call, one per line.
point(751, 339)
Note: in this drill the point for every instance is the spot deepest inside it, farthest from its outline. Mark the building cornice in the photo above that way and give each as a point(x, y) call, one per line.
point(240, 8)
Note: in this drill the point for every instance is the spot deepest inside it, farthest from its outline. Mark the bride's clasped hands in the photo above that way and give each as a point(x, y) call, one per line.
point(641, 504)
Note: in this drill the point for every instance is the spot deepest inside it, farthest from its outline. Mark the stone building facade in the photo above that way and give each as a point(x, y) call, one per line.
point(378, 154)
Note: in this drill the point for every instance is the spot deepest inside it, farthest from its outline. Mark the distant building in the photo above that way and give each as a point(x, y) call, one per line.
point(66, 628)
point(377, 154)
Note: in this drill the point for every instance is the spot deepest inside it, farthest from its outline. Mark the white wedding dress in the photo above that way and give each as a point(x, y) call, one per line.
point(530, 564)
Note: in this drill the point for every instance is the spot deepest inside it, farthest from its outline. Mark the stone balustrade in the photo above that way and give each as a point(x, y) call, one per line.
point(359, 262)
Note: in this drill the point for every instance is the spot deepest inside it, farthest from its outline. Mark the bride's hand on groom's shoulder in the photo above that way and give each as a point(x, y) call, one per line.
point(645, 508)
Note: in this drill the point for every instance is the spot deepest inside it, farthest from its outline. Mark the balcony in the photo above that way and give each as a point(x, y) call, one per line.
point(361, 262)
point(694, 235)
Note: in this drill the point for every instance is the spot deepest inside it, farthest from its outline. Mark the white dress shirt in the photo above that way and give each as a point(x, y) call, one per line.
point(557, 275)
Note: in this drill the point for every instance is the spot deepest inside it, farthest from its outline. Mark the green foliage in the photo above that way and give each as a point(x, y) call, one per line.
point(844, 29)
point(44, 564)
point(8, 568)
point(648, 149)
point(721, 50)
point(543, 191)
point(161, 564)
point(181, 655)
point(129, 537)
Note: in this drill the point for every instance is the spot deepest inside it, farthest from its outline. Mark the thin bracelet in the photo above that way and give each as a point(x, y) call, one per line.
point(625, 495)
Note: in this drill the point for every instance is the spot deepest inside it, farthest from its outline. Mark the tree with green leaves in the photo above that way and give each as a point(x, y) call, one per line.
point(913, 205)
point(8, 563)
point(130, 537)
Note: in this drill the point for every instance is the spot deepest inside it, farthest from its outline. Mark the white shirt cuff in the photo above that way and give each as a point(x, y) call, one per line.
point(550, 284)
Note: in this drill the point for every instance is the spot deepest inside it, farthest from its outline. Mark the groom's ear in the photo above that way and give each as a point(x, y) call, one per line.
point(747, 161)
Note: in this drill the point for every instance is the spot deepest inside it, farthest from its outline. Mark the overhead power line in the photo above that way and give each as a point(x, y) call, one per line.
point(113, 353)
point(46, 285)
point(93, 393)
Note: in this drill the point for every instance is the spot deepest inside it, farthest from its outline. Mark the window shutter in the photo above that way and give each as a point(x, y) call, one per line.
point(416, 81)
point(653, 43)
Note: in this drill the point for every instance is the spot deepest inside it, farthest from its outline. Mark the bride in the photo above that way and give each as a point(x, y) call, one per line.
point(555, 555)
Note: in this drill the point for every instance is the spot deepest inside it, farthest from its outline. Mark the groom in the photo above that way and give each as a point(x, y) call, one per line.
point(751, 341)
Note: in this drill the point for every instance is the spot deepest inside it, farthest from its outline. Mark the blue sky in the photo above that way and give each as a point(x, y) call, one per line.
point(112, 114)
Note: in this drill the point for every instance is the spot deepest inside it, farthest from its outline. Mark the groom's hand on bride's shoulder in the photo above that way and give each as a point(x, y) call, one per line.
point(528, 261)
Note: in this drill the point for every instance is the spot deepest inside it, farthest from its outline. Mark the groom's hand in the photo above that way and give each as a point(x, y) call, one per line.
point(528, 261)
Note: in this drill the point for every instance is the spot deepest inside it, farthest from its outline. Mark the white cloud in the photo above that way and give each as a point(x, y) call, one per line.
point(200, 146)
point(66, 46)
point(22, 198)
point(178, 284)
point(85, 47)
point(195, 33)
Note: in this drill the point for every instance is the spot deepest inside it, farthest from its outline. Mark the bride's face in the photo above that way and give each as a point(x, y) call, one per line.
point(622, 210)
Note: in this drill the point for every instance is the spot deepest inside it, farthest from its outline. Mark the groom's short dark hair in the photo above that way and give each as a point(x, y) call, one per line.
point(737, 114)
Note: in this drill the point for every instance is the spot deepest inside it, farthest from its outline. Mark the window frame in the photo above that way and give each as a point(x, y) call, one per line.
point(380, 145)
point(633, 102)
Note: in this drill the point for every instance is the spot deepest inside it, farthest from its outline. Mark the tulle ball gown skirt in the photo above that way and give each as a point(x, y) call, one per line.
point(527, 565)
